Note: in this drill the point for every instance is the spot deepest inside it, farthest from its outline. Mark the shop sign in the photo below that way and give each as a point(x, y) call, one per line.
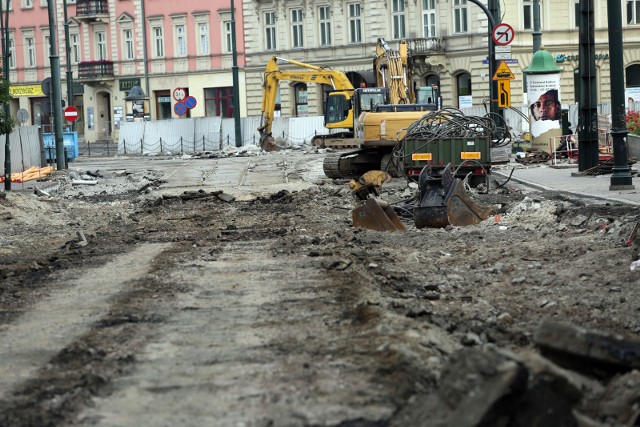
point(127, 84)
point(29, 90)
point(561, 57)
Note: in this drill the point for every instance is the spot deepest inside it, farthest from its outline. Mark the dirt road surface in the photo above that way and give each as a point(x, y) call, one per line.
point(234, 291)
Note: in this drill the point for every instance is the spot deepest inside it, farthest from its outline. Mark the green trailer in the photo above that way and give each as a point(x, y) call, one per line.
point(466, 155)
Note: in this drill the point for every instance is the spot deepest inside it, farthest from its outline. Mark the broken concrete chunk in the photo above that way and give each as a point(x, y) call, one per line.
point(570, 384)
point(225, 197)
point(83, 182)
point(620, 400)
point(579, 220)
point(473, 387)
point(41, 193)
point(575, 346)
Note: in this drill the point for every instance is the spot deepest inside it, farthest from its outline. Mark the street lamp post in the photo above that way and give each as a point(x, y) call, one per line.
point(4, 26)
point(621, 172)
point(68, 57)
point(537, 34)
point(54, 61)
point(493, 85)
point(236, 82)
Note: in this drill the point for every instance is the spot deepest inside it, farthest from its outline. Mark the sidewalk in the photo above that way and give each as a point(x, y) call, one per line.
point(563, 178)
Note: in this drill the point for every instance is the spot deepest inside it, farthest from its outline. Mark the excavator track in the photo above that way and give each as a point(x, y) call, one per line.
point(335, 166)
point(352, 164)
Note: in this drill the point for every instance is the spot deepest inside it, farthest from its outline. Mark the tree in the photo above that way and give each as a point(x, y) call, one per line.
point(7, 123)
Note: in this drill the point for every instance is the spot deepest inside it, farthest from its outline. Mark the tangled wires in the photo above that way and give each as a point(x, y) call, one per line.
point(450, 123)
point(444, 124)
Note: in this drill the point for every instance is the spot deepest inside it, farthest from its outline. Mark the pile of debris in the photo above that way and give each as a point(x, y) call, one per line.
point(579, 378)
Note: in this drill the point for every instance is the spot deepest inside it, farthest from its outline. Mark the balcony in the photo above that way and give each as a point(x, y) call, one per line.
point(426, 46)
point(95, 71)
point(92, 10)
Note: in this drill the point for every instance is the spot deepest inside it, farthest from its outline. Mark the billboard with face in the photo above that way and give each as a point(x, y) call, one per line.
point(545, 109)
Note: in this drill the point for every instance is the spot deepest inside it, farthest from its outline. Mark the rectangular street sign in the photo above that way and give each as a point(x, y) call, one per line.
point(504, 93)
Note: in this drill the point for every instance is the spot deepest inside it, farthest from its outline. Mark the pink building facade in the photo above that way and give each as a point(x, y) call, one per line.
point(114, 45)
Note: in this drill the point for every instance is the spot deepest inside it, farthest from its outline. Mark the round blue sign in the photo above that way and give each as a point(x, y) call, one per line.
point(190, 102)
point(180, 108)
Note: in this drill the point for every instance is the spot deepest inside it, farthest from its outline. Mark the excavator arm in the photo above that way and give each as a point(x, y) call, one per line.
point(312, 74)
point(392, 72)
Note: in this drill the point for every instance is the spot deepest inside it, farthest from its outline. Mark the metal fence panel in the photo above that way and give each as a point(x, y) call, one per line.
point(168, 136)
point(228, 133)
point(207, 134)
point(303, 129)
point(280, 128)
point(131, 137)
point(24, 143)
point(250, 132)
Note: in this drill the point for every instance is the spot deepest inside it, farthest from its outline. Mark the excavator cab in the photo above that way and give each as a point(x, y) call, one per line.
point(368, 99)
point(343, 108)
point(338, 112)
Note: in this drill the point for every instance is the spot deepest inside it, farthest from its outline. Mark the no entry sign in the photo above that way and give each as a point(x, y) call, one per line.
point(71, 113)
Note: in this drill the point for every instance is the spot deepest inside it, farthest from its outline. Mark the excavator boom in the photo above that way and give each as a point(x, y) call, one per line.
point(392, 71)
point(312, 74)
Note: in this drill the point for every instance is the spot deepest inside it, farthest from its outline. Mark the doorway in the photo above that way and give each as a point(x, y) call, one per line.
point(103, 116)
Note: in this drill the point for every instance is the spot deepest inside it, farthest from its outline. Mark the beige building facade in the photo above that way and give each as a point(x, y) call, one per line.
point(448, 41)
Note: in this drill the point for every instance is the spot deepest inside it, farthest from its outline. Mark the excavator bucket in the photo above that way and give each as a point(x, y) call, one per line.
point(376, 215)
point(268, 143)
point(444, 201)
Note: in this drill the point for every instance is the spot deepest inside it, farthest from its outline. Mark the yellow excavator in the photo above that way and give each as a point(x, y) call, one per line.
point(374, 117)
point(339, 113)
point(378, 129)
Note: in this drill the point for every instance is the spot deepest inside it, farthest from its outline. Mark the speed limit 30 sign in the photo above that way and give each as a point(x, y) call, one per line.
point(179, 94)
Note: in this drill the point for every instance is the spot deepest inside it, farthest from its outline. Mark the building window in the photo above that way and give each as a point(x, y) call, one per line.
point(463, 86)
point(429, 18)
point(30, 53)
point(218, 101)
point(632, 76)
point(101, 45)
point(27, 4)
point(355, 23)
point(44, 3)
point(527, 15)
point(158, 42)
point(163, 104)
point(203, 37)
point(46, 47)
point(633, 11)
point(296, 28)
point(75, 48)
point(12, 53)
point(228, 37)
point(270, 31)
point(576, 8)
point(398, 17)
point(181, 40)
point(127, 42)
point(460, 16)
point(324, 15)
point(302, 102)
